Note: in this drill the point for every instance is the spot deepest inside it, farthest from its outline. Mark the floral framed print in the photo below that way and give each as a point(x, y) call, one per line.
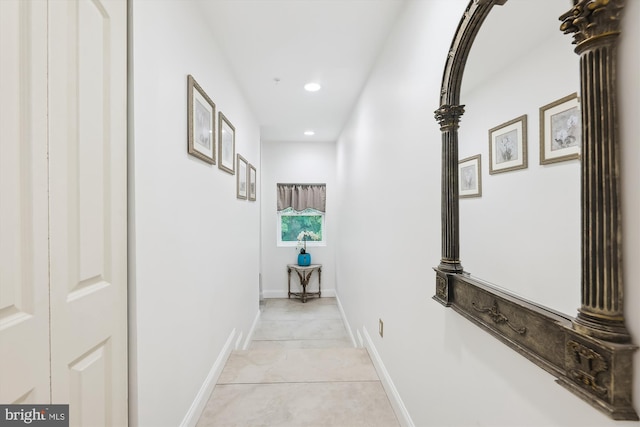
point(201, 115)
point(560, 130)
point(226, 144)
point(252, 183)
point(470, 177)
point(508, 146)
point(241, 178)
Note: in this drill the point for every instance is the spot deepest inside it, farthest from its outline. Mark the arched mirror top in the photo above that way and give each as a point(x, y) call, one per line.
point(472, 19)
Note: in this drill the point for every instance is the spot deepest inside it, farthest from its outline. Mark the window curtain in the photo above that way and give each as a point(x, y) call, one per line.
point(302, 196)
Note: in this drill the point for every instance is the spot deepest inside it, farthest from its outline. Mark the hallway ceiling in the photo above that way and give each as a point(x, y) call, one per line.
point(275, 47)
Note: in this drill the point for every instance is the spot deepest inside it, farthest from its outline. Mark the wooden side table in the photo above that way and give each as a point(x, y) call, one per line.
point(304, 274)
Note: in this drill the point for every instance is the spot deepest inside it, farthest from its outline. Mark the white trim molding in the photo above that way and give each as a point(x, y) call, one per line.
point(346, 323)
point(254, 325)
point(194, 412)
point(394, 397)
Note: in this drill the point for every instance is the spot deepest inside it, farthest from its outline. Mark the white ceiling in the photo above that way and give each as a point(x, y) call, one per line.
point(332, 42)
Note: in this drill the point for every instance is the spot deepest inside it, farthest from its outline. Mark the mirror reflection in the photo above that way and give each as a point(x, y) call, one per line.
point(523, 232)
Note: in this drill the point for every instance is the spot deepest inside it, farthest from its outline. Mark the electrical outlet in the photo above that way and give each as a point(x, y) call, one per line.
point(381, 328)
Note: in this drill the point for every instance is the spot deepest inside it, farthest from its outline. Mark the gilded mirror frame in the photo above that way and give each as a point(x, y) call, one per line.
point(590, 354)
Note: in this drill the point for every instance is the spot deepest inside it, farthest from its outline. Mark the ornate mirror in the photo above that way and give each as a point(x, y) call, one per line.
point(591, 353)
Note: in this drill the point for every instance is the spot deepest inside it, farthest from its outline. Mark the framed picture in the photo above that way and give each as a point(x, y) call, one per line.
point(508, 146)
point(241, 180)
point(201, 116)
point(560, 130)
point(252, 182)
point(470, 177)
point(226, 144)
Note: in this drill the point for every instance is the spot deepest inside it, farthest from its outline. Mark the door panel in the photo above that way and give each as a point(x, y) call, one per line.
point(87, 128)
point(24, 277)
point(93, 367)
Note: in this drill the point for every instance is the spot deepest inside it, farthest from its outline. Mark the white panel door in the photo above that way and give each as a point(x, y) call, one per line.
point(87, 179)
point(24, 264)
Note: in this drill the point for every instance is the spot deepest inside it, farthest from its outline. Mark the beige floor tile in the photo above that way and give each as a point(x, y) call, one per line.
point(296, 310)
point(329, 343)
point(300, 329)
point(344, 404)
point(298, 365)
point(301, 369)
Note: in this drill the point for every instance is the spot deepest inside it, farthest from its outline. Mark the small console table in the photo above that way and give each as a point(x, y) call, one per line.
point(304, 274)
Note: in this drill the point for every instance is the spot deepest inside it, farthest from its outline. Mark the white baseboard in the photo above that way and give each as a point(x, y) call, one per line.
point(194, 412)
point(394, 397)
point(266, 294)
point(346, 323)
point(247, 341)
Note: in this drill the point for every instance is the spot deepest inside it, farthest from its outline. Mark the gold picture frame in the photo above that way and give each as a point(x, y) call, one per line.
point(470, 177)
point(241, 177)
point(560, 130)
point(201, 115)
point(508, 146)
point(226, 144)
point(252, 183)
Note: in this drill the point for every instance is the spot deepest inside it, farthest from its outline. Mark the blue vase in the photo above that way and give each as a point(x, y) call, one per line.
point(304, 259)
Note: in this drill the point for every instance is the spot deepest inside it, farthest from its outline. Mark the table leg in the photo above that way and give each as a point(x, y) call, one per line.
point(320, 282)
point(304, 280)
point(289, 282)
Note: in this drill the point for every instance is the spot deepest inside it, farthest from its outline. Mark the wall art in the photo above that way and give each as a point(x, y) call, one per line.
point(470, 177)
point(201, 114)
point(560, 130)
point(226, 144)
point(508, 146)
point(252, 182)
point(241, 180)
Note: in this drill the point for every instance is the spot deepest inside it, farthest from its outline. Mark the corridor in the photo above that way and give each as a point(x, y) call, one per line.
point(301, 369)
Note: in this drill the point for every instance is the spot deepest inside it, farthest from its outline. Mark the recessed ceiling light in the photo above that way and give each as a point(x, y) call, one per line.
point(309, 132)
point(312, 87)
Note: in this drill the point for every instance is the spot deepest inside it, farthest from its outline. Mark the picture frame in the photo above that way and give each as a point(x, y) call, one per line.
point(252, 183)
point(508, 146)
point(201, 118)
point(241, 178)
point(226, 144)
point(470, 177)
point(560, 130)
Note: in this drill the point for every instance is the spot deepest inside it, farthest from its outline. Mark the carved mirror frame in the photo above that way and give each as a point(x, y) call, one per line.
point(590, 354)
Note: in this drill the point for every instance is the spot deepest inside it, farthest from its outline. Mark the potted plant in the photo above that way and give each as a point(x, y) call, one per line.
point(304, 258)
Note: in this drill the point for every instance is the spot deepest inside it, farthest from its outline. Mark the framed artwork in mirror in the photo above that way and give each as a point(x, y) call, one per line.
point(241, 178)
point(201, 114)
point(252, 182)
point(560, 130)
point(226, 144)
point(508, 146)
point(470, 177)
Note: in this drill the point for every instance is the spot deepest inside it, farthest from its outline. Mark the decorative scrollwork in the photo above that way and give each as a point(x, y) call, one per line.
point(587, 365)
point(441, 288)
point(449, 115)
point(592, 18)
point(499, 318)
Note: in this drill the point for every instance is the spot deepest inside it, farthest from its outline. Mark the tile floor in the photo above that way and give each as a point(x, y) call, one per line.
point(301, 369)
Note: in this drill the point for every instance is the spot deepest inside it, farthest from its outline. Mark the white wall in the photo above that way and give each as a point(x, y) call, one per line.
point(194, 247)
point(296, 162)
point(447, 371)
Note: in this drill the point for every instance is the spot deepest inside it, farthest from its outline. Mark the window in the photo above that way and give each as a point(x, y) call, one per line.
point(292, 223)
point(301, 207)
